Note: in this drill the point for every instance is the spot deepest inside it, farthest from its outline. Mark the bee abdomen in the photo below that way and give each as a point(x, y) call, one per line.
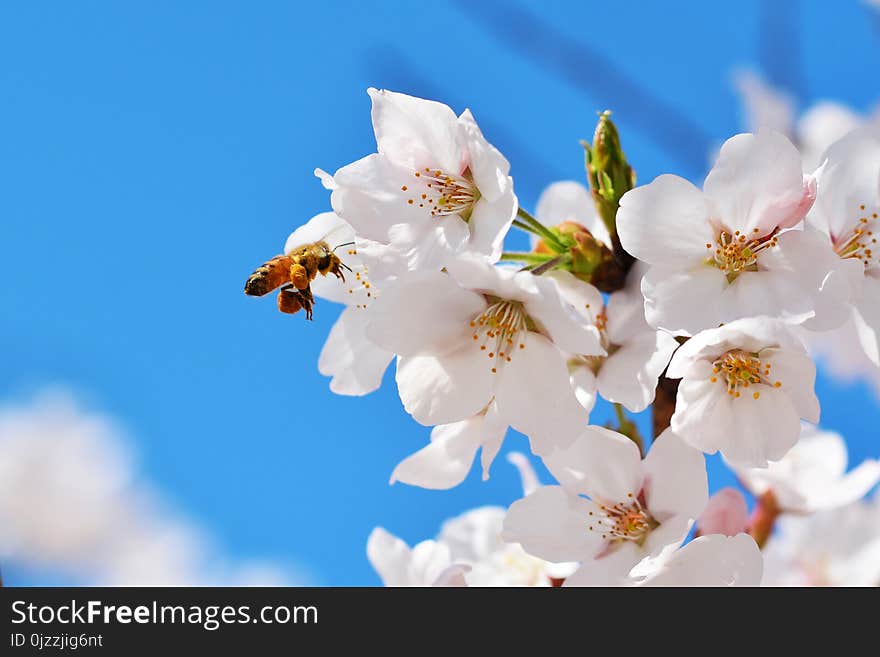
point(268, 276)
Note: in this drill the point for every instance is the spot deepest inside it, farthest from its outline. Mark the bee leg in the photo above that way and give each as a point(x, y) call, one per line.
point(307, 300)
point(289, 300)
point(299, 276)
point(338, 270)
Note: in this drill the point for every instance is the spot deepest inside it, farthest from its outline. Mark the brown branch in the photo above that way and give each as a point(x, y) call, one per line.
point(764, 518)
point(664, 403)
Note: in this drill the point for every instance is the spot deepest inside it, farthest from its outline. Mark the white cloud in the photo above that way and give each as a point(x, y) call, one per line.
point(72, 504)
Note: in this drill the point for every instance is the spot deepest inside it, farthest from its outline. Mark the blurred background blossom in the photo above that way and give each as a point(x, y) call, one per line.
point(153, 154)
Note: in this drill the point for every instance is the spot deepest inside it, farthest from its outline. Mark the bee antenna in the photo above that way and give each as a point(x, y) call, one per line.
point(339, 246)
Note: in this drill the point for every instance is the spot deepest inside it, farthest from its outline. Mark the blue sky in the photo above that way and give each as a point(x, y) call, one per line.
point(151, 154)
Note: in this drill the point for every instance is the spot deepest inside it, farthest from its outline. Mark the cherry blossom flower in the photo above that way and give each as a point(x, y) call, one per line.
point(427, 564)
point(447, 459)
point(726, 252)
point(469, 551)
point(618, 515)
point(847, 215)
point(714, 560)
point(479, 336)
point(354, 362)
point(812, 476)
point(726, 513)
point(744, 388)
point(813, 132)
point(434, 189)
point(636, 354)
point(838, 547)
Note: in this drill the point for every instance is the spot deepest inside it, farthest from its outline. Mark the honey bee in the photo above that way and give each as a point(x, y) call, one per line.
point(293, 273)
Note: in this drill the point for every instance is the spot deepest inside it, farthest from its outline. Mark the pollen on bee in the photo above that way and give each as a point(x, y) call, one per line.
point(756, 395)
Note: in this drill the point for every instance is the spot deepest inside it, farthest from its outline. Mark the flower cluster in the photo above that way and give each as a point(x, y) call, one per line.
point(693, 301)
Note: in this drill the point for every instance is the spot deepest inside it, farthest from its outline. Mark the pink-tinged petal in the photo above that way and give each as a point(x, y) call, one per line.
point(629, 375)
point(488, 166)
point(796, 372)
point(489, 223)
point(534, 394)
point(761, 429)
point(415, 132)
point(712, 561)
point(665, 223)
point(758, 182)
point(444, 389)
point(611, 569)
point(370, 196)
point(355, 362)
point(600, 463)
point(683, 302)
point(570, 201)
point(454, 576)
point(446, 460)
point(726, 513)
point(675, 478)
point(552, 524)
point(422, 312)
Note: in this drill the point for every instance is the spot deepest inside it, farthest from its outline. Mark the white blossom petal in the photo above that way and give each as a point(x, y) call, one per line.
point(353, 360)
point(421, 311)
point(431, 387)
point(758, 182)
point(415, 132)
point(600, 463)
point(712, 561)
point(551, 524)
point(675, 477)
point(665, 222)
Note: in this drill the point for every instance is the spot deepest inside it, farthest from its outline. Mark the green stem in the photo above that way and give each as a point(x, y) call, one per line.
point(544, 267)
point(526, 227)
point(540, 229)
point(521, 256)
